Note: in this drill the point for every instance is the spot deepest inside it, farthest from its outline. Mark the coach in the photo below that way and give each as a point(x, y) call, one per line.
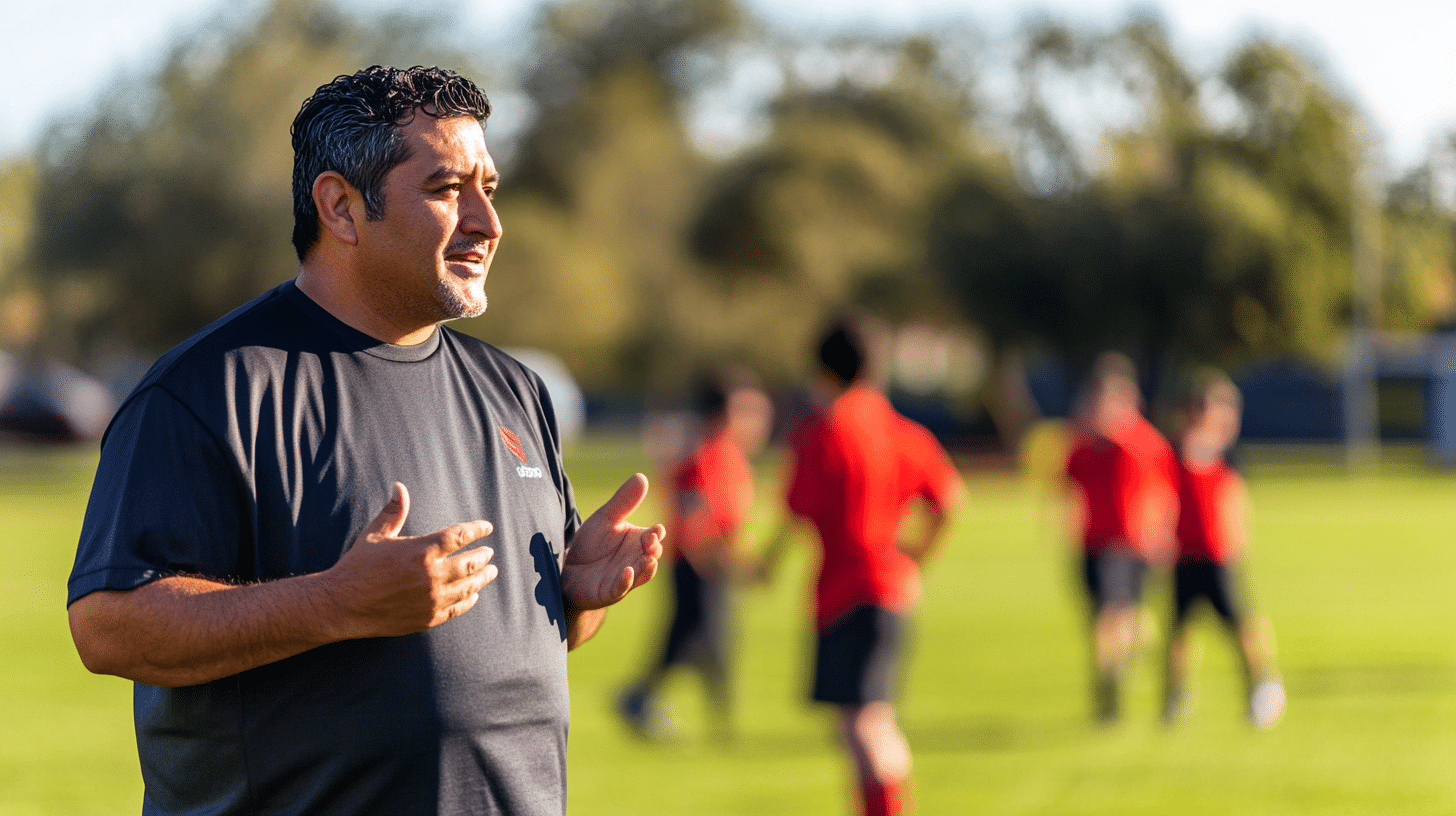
point(329, 539)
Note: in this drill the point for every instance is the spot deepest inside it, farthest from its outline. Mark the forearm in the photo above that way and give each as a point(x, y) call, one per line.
point(181, 631)
point(932, 531)
point(582, 624)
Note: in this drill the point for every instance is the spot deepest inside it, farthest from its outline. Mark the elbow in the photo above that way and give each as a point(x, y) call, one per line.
point(93, 645)
point(98, 631)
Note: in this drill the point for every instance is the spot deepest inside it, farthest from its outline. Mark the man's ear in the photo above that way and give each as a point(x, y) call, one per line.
point(338, 203)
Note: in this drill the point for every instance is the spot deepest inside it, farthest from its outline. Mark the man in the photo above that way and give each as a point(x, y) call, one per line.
point(331, 540)
point(858, 469)
point(711, 493)
point(1121, 476)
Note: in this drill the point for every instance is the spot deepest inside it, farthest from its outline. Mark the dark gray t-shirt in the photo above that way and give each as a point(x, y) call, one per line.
point(259, 449)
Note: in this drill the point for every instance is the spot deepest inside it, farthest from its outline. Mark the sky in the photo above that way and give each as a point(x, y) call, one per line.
point(1394, 59)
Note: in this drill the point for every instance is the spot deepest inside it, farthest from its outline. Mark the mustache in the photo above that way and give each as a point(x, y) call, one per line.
point(461, 247)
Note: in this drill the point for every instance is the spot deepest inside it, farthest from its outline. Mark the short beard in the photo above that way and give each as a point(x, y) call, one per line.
point(454, 307)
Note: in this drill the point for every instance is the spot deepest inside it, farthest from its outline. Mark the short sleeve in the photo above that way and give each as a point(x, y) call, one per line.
point(1157, 459)
point(551, 433)
point(926, 468)
point(166, 501)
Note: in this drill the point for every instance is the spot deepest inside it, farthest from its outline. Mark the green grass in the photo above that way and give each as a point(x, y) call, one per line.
point(1356, 575)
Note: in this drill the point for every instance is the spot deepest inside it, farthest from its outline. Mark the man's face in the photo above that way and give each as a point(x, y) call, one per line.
point(426, 260)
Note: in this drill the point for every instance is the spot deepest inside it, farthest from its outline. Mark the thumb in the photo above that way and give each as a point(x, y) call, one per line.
point(625, 500)
point(391, 519)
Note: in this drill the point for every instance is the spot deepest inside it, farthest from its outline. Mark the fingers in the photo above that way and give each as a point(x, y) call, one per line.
point(652, 539)
point(624, 584)
point(474, 562)
point(470, 574)
point(391, 518)
point(625, 500)
point(649, 570)
point(453, 538)
point(460, 608)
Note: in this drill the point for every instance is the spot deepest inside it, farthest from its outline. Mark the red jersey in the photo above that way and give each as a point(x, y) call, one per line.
point(854, 470)
point(1119, 479)
point(1203, 525)
point(712, 493)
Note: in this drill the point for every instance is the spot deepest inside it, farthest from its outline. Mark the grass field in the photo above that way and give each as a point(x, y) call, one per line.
point(1355, 573)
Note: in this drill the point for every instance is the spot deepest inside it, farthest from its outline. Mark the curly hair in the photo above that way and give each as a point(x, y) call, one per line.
point(352, 127)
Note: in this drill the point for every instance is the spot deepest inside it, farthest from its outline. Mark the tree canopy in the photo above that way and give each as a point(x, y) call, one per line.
point(1207, 217)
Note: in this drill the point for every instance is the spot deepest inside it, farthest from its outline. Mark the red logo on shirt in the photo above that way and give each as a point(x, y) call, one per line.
point(513, 443)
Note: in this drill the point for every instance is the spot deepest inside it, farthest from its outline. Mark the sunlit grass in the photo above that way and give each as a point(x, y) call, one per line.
point(1355, 573)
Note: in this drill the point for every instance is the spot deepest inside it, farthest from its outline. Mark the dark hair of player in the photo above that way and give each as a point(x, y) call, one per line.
point(844, 350)
point(352, 127)
point(710, 395)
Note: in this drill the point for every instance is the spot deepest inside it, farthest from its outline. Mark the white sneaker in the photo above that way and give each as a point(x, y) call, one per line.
point(1266, 703)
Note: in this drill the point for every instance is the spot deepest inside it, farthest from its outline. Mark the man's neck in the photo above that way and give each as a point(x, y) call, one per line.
point(335, 295)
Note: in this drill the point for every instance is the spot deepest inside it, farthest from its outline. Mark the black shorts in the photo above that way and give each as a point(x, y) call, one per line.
point(700, 630)
point(1195, 578)
point(858, 659)
point(1114, 578)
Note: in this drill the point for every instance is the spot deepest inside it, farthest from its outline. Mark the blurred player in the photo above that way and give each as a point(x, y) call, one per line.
point(711, 492)
point(1212, 533)
point(858, 468)
point(1121, 474)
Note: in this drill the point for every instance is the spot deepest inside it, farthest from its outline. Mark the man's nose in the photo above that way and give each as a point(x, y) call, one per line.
point(479, 217)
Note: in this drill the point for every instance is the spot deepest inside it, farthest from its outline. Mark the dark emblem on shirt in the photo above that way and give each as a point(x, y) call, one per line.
point(548, 589)
point(513, 443)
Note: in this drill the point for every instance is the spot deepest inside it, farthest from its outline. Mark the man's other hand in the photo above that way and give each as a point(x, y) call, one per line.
point(609, 557)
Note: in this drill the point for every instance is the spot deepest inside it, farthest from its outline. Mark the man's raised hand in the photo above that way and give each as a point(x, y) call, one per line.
point(391, 585)
point(609, 557)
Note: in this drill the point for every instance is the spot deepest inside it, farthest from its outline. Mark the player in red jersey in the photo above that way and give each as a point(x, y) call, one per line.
point(1211, 535)
point(858, 468)
point(711, 491)
point(1121, 475)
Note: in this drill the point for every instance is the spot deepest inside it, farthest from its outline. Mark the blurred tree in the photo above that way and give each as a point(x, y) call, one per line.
point(596, 200)
point(829, 211)
point(1198, 218)
point(1283, 185)
point(170, 204)
point(1195, 239)
point(20, 314)
point(1419, 271)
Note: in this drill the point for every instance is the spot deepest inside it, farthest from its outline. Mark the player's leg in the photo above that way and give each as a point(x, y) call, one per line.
point(880, 754)
point(856, 668)
point(1266, 690)
point(1255, 645)
point(1104, 685)
point(1114, 635)
point(1114, 580)
point(716, 664)
point(1177, 699)
point(638, 702)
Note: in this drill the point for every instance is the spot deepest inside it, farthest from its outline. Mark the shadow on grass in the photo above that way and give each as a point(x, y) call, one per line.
point(993, 735)
point(780, 744)
point(1372, 679)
